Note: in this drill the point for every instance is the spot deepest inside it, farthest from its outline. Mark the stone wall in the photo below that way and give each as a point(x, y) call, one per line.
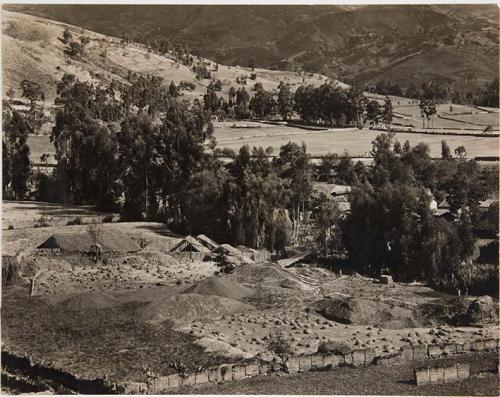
point(293, 364)
point(296, 364)
point(441, 374)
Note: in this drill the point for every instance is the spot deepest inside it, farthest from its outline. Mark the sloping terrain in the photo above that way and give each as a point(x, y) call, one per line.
point(188, 307)
point(372, 43)
point(32, 49)
point(220, 286)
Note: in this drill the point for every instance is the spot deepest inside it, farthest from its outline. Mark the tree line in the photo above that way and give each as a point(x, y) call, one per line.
point(442, 91)
point(328, 104)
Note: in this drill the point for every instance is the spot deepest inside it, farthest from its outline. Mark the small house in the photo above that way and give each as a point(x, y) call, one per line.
point(228, 249)
point(207, 242)
point(189, 244)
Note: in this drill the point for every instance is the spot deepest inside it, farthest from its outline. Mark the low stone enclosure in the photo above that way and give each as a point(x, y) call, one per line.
point(441, 374)
point(290, 365)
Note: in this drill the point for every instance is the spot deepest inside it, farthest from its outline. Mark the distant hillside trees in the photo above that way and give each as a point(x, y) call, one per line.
point(386, 88)
point(489, 95)
point(412, 92)
point(31, 90)
point(201, 71)
point(437, 90)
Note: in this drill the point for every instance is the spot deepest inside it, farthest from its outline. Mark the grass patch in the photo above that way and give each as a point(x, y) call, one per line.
point(95, 343)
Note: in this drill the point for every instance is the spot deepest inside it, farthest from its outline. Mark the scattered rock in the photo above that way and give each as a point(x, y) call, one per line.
point(387, 280)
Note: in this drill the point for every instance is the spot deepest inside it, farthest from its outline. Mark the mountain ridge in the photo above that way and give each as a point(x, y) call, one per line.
point(367, 43)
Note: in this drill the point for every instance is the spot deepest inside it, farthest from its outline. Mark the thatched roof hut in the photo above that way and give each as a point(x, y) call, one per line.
point(207, 242)
point(229, 250)
point(109, 240)
point(189, 244)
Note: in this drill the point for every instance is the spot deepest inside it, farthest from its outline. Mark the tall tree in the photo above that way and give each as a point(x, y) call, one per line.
point(387, 112)
point(285, 101)
point(16, 152)
point(293, 163)
point(445, 151)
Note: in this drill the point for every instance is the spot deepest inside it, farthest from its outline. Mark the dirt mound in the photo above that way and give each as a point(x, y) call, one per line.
point(220, 286)
point(221, 348)
point(89, 301)
point(270, 276)
point(187, 307)
point(254, 273)
point(356, 311)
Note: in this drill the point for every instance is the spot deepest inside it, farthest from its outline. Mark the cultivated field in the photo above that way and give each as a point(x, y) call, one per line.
point(356, 142)
point(457, 117)
point(28, 214)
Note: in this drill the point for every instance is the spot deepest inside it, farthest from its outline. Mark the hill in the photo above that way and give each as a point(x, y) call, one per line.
point(408, 43)
point(32, 49)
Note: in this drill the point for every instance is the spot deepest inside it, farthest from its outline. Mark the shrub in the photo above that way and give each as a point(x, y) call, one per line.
point(334, 347)
point(9, 271)
point(107, 219)
point(279, 345)
point(76, 221)
point(488, 129)
point(253, 76)
point(11, 227)
point(223, 264)
point(187, 85)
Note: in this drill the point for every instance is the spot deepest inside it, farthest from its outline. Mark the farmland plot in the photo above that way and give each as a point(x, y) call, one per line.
point(356, 142)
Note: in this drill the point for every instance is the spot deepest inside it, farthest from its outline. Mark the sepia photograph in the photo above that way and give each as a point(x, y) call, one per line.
point(266, 199)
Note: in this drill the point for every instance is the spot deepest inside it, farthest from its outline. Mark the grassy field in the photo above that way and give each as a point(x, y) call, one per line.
point(355, 142)
point(91, 343)
point(27, 214)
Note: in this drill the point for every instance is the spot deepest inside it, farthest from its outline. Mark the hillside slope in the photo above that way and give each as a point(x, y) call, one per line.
point(408, 43)
point(32, 49)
